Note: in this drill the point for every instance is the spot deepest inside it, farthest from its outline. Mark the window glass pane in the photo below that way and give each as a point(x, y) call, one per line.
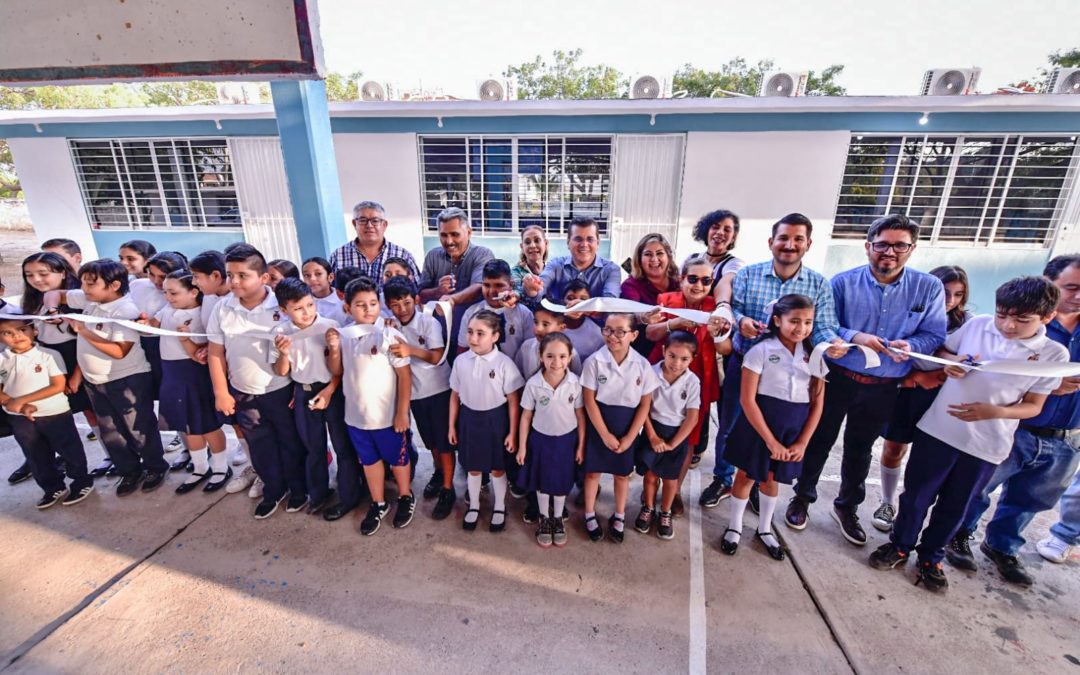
point(868, 180)
point(1035, 190)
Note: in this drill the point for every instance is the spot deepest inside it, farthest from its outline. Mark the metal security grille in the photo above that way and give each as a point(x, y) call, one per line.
point(979, 190)
point(508, 183)
point(157, 183)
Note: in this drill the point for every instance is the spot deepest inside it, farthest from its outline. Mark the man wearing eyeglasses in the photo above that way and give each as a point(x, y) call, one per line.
point(602, 276)
point(370, 249)
point(891, 310)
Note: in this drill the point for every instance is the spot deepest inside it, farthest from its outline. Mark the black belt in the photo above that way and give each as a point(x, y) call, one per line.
point(1049, 432)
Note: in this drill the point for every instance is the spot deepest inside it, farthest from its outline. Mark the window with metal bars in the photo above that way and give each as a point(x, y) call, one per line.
point(157, 183)
point(979, 190)
point(507, 183)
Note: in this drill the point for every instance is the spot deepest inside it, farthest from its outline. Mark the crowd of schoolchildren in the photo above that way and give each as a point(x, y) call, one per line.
point(320, 365)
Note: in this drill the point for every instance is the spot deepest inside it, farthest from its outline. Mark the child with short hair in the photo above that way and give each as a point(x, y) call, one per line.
point(32, 393)
point(396, 267)
point(499, 297)
point(545, 321)
point(430, 396)
point(551, 438)
point(280, 269)
point(342, 277)
point(67, 249)
point(618, 385)
point(377, 387)
point(583, 332)
point(968, 430)
point(319, 277)
point(484, 411)
point(252, 390)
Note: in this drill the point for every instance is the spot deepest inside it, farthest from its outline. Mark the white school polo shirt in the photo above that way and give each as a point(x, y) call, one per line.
point(171, 319)
point(147, 297)
point(782, 375)
point(428, 379)
point(250, 360)
point(209, 304)
point(52, 333)
point(484, 382)
point(30, 371)
point(332, 308)
point(586, 338)
point(670, 402)
point(989, 440)
point(96, 367)
point(308, 352)
point(619, 384)
point(528, 359)
point(554, 410)
point(519, 326)
point(369, 380)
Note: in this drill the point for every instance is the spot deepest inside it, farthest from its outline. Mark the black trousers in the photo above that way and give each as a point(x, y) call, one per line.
point(867, 408)
point(276, 450)
point(313, 427)
point(42, 440)
point(127, 423)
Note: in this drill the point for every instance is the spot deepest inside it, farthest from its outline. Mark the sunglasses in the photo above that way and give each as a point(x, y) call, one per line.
point(695, 279)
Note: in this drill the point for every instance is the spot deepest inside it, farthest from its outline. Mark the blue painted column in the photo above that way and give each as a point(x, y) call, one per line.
point(307, 146)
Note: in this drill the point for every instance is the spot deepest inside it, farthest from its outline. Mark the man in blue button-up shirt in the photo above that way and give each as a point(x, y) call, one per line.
point(885, 307)
point(602, 276)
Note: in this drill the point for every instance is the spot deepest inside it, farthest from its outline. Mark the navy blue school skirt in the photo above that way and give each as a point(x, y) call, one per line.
point(666, 465)
point(152, 347)
point(911, 404)
point(78, 401)
point(549, 463)
point(480, 438)
point(746, 450)
point(187, 398)
point(598, 459)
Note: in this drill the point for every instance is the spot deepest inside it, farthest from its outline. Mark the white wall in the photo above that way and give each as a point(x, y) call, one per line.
point(762, 176)
point(47, 174)
point(383, 168)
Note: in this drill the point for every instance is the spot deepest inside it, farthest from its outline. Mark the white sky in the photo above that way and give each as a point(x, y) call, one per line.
point(885, 47)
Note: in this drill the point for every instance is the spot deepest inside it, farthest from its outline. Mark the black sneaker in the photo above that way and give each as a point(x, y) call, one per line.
point(77, 494)
point(887, 557)
point(406, 506)
point(128, 484)
point(296, 503)
point(717, 491)
point(266, 508)
point(643, 522)
point(958, 552)
point(665, 528)
point(558, 532)
point(19, 475)
point(434, 485)
point(445, 504)
point(152, 480)
point(849, 525)
point(932, 577)
point(1009, 566)
point(50, 498)
point(755, 499)
point(532, 509)
point(373, 519)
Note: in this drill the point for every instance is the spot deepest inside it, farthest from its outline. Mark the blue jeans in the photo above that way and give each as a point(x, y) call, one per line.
point(1067, 529)
point(727, 411)
point(1033, 477)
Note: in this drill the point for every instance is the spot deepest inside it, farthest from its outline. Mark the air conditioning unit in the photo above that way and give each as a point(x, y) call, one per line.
point(783, 83)
point(236, 93)
point(493, 89)
point(373, 90)
point(1063, 81)
point(950, 82)
point(649, 86)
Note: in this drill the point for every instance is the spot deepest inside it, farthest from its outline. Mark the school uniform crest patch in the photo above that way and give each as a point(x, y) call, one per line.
point(99, 326)
point(602, 379)
point(374, 350)
point(422, 340)
point(37, 368)
point(1033, 357)
point(774, 358)
point(637, 382)
point(544, 400)
point(511, 330)
point(277, 316)
point(492, 374)
point(683, 395)
point(571, 399)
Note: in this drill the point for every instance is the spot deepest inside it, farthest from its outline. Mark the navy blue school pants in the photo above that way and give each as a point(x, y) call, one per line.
point(127, 425)
point(42, 440)
point(276, 451)
point(936, 471)
point(312, 426)
point(727, 411)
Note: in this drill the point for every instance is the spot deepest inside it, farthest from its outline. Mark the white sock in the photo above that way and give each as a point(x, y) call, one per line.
point(590, 521)
point(736, 509)
point(218, 462)
point(544, 500)
point(498, 491)
point(767, 506)
point(890, 477)
point(558, 504)
point(201, 460)
point(473, 483)
point(620, 522)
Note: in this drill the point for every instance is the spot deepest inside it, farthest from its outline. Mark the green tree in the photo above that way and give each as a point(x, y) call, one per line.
point(1059, 59)
point(344, 88)
point(739, 77)
point(824, 83)
point(80, 96)
point(179, 93)
point(9, 182)
point(566, 78)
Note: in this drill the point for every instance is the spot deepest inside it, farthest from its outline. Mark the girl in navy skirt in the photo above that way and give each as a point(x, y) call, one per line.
point(664, 447)
point(781, 407)
point(917, 393)
point(618, 384)
point(187, 394)
point(484, 398)
point(552, 436)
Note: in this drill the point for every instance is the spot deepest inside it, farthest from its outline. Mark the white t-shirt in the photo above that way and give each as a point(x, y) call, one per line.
point(528, 359)
point(519, 326)
point(428, 379)
point(586, 338)
point(369, 379)
point(171, 319)
point(619, 384)
point(989, 440)
point(147, 297)
point(333, 308)
point(96, 367)
point(30, 371)
point(308, 352)
point(782, 375)
point(53, 333)
point(554, 410)
point(250, 360)
point(484, 382)
point(670, 402)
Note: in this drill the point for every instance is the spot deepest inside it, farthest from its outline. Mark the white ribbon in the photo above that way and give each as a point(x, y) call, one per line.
point(818, 367)
point(624, 306)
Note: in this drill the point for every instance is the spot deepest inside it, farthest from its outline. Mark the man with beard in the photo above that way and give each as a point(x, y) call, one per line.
point(891, 310)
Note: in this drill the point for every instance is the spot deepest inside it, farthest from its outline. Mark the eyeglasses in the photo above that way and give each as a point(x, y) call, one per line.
point(617, 332)
point(695, 279)
point(369, 221)
point(899, 247)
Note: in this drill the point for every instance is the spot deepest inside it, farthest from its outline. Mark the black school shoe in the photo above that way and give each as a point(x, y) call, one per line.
point(337, 512)
point(596, 534)
point(373, 519)
point(103, 469)
point(849, 525)
point(19, 475)
point(775, 552)
point(296, 503)
point(434, 485)
point(616, 535)
point(1009, 566)
point(444, 506)
point(932, 577)
point(152, 480)
point(958, 552)
point(316, 506)
point(186, 487)
point(50, 498)
point(266, 507)
point(403, 515)
point(128, 484)
point(215, 483)
point(755, 499)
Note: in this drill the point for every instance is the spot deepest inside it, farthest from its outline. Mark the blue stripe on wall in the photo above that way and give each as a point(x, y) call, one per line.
point(188, 242)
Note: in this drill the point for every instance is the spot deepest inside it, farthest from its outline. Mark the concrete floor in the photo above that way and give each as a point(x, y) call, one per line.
point(164, 583)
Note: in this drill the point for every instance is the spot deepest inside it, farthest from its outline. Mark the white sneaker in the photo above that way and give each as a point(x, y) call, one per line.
point(1053, 549)
point(241, 482)
point(256, 491)
point(237, 456)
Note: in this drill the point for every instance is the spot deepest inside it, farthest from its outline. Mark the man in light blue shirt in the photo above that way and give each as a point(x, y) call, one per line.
point(602, 276)
point(891, 310)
